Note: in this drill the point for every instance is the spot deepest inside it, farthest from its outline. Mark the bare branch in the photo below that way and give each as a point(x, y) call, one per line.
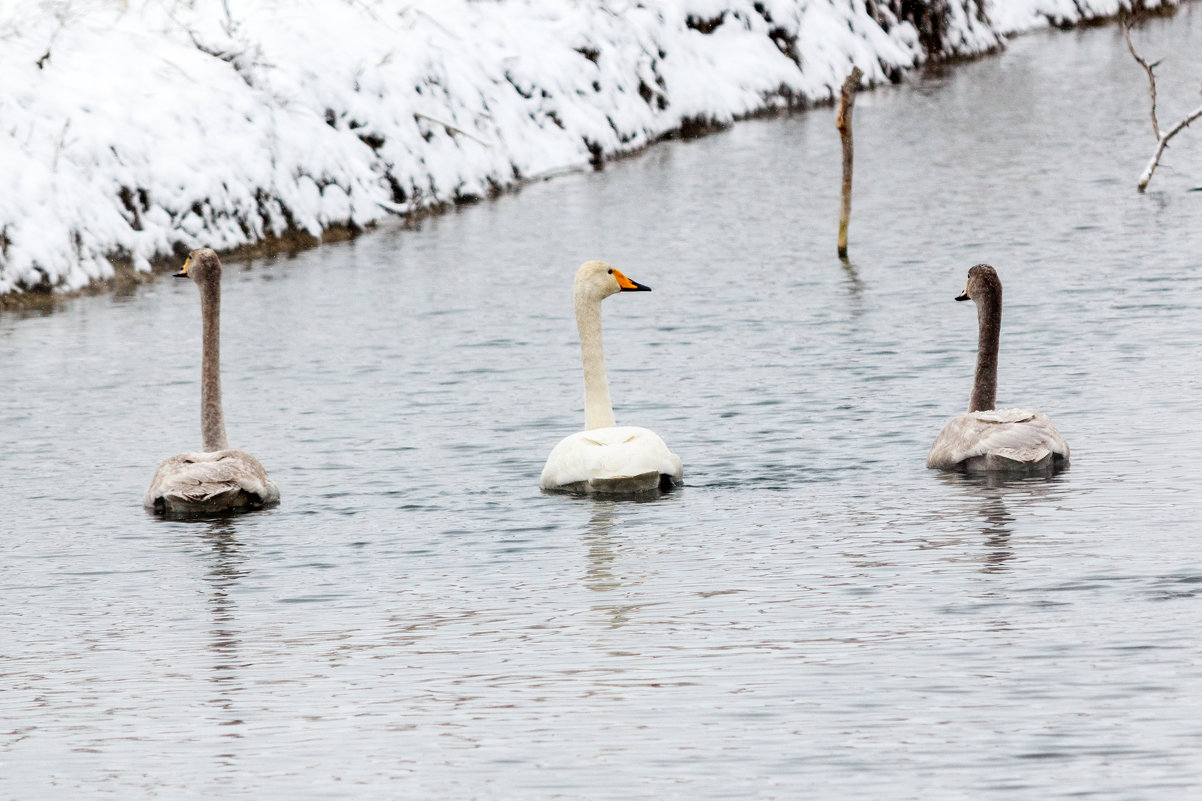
point(1161, 138)
point(1193, 115)
point(62, 14)
point(450, 127)
point(1148, 68)
point(1164, 142)
point(60, 145)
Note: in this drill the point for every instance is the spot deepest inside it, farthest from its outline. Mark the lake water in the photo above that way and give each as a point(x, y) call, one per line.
point(814, 614)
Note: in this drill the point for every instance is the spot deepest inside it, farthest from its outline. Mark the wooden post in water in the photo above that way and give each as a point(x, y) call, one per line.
point(847, 97)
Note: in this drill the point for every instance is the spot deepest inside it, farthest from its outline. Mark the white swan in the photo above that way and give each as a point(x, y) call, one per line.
point(217, 479)
point(984, 439)
point(606, 459)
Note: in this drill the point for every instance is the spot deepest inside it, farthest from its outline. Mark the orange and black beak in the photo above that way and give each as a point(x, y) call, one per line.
point(183, 271)
point(628, 285)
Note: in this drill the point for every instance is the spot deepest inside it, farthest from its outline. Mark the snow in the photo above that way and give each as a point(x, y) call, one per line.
point(156, 126)
point(1017, 16)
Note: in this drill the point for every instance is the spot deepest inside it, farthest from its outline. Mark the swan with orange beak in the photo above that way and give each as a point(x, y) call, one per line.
point(606, 459)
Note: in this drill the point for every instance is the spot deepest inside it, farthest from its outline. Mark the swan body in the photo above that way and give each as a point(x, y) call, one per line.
point(612, 460)
point(1008, 440)
point(203, 483)
point(605, 458)
point(985, 439)
point(217, 479)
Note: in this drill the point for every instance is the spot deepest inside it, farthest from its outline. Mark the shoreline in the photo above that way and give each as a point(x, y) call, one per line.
point(128, 272)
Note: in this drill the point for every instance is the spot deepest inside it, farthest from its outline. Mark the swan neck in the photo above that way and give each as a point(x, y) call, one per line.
point(212, 421)
point(989, 325)
point(598, 411)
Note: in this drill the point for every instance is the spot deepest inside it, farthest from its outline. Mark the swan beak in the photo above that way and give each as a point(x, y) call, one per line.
point(629, 286)
point(183, 272)
point(963, 295)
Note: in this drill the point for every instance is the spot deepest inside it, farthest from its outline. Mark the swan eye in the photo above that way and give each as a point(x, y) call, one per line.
point(611, 271)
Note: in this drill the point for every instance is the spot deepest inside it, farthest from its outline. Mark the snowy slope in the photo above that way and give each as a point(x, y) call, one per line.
point(130, 129)
point(1017, 16)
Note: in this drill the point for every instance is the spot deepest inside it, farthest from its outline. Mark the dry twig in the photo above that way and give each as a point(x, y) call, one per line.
point(1148, 68)
point(450, 128)
point(1162, 140)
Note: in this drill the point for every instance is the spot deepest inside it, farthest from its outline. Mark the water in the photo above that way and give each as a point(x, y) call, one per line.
point(814, 614)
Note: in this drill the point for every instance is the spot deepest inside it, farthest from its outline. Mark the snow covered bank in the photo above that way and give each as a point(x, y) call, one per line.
point(135, 129)
point(1018, 16)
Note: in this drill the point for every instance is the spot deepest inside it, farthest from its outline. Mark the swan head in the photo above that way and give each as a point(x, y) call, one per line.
point(599, 279)
point(982, 283)
point(201, 265)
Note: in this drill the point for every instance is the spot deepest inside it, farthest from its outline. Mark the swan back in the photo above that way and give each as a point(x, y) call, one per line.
point(204, 483)
point(1011, 440)
point(619, 460)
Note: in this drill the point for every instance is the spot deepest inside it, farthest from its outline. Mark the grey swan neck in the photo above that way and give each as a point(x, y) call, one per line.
point(212, 421)
point(598, 411)
point(989, 324)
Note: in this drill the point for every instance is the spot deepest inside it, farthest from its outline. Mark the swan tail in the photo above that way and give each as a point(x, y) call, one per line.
point(652, 481)
point(208, 499)
point(626, 485)
point(1033, 459)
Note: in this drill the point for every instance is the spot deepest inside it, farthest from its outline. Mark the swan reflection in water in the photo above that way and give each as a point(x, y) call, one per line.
point(601, 556)
point(226, 567)
point(602, 572)
point(598, 539)
point(987, 495)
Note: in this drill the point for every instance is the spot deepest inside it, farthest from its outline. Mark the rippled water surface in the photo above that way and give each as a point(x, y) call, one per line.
point(814, 615)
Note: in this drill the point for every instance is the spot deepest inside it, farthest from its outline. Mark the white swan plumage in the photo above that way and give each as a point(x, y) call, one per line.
point(985, 439)
point(605, 458)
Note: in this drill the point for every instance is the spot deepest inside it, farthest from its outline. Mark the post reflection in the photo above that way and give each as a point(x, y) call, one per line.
point(855, 286)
